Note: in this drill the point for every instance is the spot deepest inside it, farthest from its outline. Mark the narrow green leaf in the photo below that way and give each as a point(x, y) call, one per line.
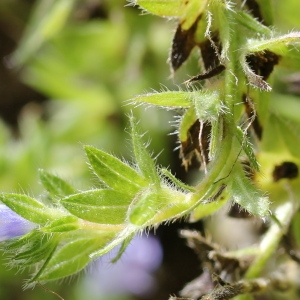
point(143, 158)
point(163, 8)
point(176, 181)
point(100, 206)
point(247, 147)
point(67, 223)
point(168, 99)
point(29, 208)
point(187, 120)
point(192, 9)
point(126, 234)
point(55, 185)
point(251, 23)
point(116, 174)
point(276, 44)
point(123, 247)
point(246, 195)
point(73, 255)
point(35, 248)
point(223, 16)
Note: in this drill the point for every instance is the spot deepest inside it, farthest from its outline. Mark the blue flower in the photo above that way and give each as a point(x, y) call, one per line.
point(12, 225)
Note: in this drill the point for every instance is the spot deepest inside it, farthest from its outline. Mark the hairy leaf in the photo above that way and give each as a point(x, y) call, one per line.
point(72, 256)
point(55, 185)
point(168, 99)
point(115, 173)
point(176, 181)
point(246, 195)
point(63, 224)
point(29, 208)
point(247, 147)
point(144, 160)
point(275, 44)
point(31, 248)
point(100, 206)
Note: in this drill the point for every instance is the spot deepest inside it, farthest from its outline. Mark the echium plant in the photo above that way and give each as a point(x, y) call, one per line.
point(248, 150)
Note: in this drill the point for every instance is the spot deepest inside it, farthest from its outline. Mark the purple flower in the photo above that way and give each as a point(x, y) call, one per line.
point(12, 225)
point(133, 274)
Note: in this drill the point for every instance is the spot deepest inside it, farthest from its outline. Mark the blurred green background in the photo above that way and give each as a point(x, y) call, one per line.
point(67, 70)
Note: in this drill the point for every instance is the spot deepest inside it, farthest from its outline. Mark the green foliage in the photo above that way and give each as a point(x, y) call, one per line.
point(29, 208)
point(54, 185)
point(113, 172)
point(230, 122)
point(99, 206)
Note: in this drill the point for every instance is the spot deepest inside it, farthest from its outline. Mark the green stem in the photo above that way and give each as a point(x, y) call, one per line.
point(102, 227)
point(227, 153)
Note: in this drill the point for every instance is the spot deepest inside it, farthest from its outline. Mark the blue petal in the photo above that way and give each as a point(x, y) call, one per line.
point(12, 225)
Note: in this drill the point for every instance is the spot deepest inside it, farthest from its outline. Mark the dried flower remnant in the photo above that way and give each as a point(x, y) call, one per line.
point(262, 63)
point(182, 45)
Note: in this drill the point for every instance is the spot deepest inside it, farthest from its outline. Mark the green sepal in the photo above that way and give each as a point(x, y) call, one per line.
point(222, 15)
point(187, 120)
point(247, 147)
point(29, 208)
point(245, 19)
point(143, 158)
point(67, 223)
point(246, 194)
point(278, 44)
point(32, 248)
point(99, 206)
point(126, 234)
point(167, 99)
point(176, 181)
point(114, 173)
point(55, 185)
point(123, 247)
point(73, 255)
